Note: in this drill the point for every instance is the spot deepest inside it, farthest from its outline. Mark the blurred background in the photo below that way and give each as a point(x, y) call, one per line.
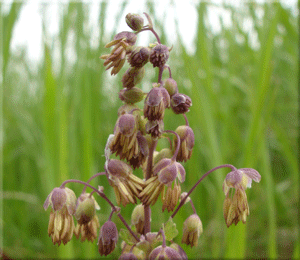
point(238, 63)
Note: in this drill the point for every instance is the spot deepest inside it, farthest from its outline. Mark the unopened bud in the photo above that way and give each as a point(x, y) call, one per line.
point(164, 253)
point(137, 218)
point(132, 77)
point(159, 55)
point(133, 95)
point(192, 228)
point(171, 86)
point(118, 168)
point(86, 208)
point(134, 21)
point(180, 103)
point(108, 238)
point(139, 57)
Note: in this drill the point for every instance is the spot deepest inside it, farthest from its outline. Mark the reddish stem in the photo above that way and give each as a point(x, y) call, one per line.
point(203, 176)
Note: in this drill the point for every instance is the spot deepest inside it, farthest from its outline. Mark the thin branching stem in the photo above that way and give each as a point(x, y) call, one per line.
point(197, 183)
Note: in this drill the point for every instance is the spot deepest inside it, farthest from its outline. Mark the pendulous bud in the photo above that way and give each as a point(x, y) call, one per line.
point(134, 21)
point(171, 86)
point(180, 103)
point(132, 77)
point(133, 95)
point(139, 57)
point(178, 248)
point(187, 142)
point(164, 253)
point(128, 37)
point(192, 229)
point(159, 55)
point(108, 238)
point(138, 218)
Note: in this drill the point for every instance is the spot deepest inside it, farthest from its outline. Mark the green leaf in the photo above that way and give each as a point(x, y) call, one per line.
point(126, 236)
point(170, 230)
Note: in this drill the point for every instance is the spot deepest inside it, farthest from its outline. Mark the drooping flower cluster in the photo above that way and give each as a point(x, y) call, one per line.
point(132, 146)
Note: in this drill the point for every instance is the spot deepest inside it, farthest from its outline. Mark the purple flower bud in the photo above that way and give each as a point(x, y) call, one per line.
point(108, 238)
point(180, 103)
point(134, 21)
point(162, 253)
point(159, 55)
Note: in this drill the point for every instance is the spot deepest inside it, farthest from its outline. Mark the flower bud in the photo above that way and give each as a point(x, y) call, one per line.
point(164, 153)
point(192, 228)
point(178, 248)
point(134, 21)
point(159, 55)
point(187, 142)
point(133, 95)
point(156, 102)
point(128, 256)
point(155, 128)
point(127, 124)
point(162, 253)
point(138, 218)
point(108, 238)
point(118, 168)
point(167, 170)
point(139, 56)
point(180, 103)
point(171, 86)
point(86, 208)
point(132, 77)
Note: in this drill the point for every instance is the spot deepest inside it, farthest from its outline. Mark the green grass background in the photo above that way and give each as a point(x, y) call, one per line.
point(55, 121)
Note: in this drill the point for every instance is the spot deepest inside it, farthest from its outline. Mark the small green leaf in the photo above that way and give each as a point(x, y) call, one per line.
point(170, 230)
point(126, 236)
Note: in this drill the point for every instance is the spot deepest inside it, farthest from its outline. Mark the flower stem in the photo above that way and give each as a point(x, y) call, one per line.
point(89, 180)
point(203, 176)
point(101, 194)
point(193, 206)
point(186, 120)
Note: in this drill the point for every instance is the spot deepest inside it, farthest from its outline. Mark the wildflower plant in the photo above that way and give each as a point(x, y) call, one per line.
point(133, 142)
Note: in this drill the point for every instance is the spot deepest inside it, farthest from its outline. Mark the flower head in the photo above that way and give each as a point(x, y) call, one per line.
point(108, 238)
point(116, 59)
point(61, 223)
point(128, 142)
point(157, 100)
point(126, 185)
point(235, 207)
point(165, 173)
point(139, 56)
point(192, 229)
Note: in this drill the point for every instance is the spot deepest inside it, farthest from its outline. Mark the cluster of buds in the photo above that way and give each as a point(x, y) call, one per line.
point(132, 146)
